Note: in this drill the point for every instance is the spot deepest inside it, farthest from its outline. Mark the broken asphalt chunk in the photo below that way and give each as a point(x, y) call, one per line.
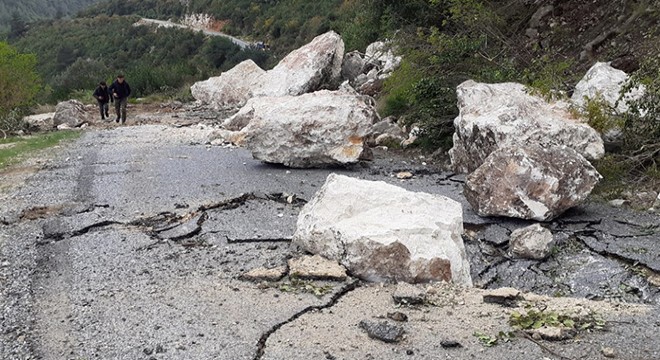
point(263, 274)
point(407, 294)
point(503, 296)
point(385, 331)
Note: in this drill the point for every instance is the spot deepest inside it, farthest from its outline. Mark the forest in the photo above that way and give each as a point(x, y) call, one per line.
point(31, 10)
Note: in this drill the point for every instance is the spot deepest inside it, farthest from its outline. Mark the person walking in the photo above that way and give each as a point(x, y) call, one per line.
point(120, 91)
point(102, 96)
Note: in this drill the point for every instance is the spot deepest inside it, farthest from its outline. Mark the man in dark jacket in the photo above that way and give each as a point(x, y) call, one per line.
point(102, 96)
point(120, 92)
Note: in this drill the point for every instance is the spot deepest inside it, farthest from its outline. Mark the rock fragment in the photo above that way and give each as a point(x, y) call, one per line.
point(408, 294)
point(317, 268)
point(532, 242)
point(385, 331)
point(264, 274)
point(503, 296)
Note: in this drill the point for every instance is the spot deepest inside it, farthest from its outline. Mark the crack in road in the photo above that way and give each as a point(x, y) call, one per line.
point(261, 344)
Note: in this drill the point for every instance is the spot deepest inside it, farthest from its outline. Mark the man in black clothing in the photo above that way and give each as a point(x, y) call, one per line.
point(120, 92)
point(102, 96)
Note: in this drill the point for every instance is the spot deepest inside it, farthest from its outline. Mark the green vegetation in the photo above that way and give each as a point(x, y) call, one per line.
point(19, 84)
point(535, 319)
point(490, 340)
point(15, 149)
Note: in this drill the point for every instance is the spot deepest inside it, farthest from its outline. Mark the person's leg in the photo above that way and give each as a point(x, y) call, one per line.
point(105, 109)
point(101, 109)
point(124, 101)
point(117, 109)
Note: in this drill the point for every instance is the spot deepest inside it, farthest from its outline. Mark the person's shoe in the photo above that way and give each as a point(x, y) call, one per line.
point(107, 115)
point(123, 121)
point(117, 120)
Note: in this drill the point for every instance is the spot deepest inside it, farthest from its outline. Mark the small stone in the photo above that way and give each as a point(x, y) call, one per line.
point(410, 352)
point(316, 267)
point(503, 296)
point(398, 316)
point(608, 352)
point(404, 175)
point(384, 330)
point(532, 242)
point(263, 274)
point(160, 349)
point(449, 344)
point(407, 294)
point(654, 280)
point(552, 333)
point(148, 351)
point(617, 203)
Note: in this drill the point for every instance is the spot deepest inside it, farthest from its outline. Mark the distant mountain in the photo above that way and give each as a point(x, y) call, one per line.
point(29, 10)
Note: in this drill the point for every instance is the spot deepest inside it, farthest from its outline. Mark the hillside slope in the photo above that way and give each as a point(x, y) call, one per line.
point(29, 10)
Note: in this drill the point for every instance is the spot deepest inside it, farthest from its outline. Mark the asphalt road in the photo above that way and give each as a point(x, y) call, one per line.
point(130, 243)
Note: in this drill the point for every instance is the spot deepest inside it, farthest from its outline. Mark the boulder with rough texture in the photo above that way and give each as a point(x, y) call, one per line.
point(604, 83)
point(264, 274)
point(352, 66)
point(532, 182)
point(318, 129)
point(41, 121)
point(531, 242)
point(231, 89)
point(382, 232)
point(71, 113)
point(493, 116)
point(307, 69)
point(386, 133)
point(381, 54)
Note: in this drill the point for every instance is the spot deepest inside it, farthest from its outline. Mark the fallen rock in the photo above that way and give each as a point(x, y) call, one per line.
point(383, 232)
point(264, 274)
point(532, 242)
point(552, 333)
point(397, 316)
point(385, 331)
point(380, 53)
point(604, 83)
point(403, 175)
point(386, 132)
point(407, 294)
point(311, 130)
point(608, 352)
point(494, 116)
point(70, 113)
point(41, 121)
point(531, 182)
point(503, 296)
point(312, 67)
point(317, 268)
point(352, 66)
point(231, 89)
point(450, 344)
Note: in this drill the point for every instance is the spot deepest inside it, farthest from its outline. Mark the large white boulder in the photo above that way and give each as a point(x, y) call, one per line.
point(70, 113)
point(530, 182)
point(493, 116)
point(313, 66)
point(311, 130)
point(383, 232)
point(380, 53)
point(231, 89)
point(604, 83)
point(41, 121)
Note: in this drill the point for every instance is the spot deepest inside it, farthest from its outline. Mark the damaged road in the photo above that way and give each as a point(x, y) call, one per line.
point(131, 243)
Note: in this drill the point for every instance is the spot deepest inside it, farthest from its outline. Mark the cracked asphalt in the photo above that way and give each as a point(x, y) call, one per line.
point(130, 242)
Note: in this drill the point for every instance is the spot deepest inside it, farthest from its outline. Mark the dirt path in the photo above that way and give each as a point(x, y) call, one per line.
point(130, 244)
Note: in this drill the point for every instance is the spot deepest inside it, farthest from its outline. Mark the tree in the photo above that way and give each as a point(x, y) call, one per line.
point(17, 26)
point(19, 84)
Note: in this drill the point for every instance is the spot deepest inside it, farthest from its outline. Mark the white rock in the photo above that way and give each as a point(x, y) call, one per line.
point(71, 112)
point(41, 121)
point(493, 116)
point(311, 130)
point(307, 69)
point(381, 54)
point(531, 242)
point(531, 182)
point(231, 89)
point(383, 232)
point(603, 82)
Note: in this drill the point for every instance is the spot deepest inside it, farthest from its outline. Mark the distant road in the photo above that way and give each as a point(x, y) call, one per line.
point(163, 23)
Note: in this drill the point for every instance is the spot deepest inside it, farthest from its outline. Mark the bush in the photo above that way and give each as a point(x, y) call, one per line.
point(19, 84)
